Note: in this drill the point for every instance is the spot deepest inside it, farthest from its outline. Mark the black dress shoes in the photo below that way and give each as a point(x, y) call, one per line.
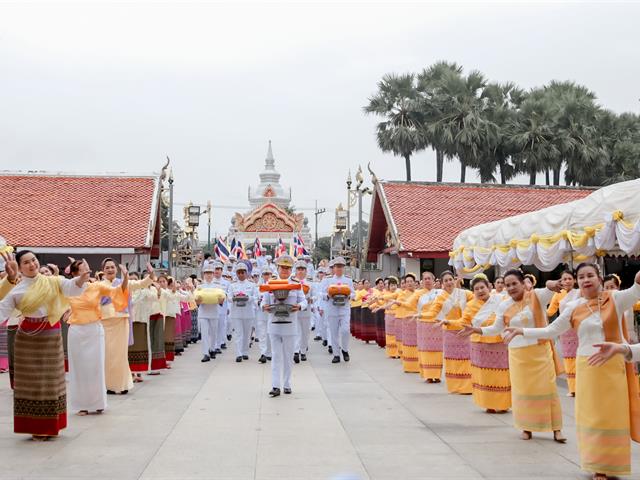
point(336, 359)
point(262, 359)
point(245, 357)
point(238, 359)
point(206, 358)
point(275, 392)
point(287, 391)
point(296, 357)
point(345, 355)
point(303, 357)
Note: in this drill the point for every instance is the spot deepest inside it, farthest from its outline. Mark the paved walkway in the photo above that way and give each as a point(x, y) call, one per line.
point(361, 420)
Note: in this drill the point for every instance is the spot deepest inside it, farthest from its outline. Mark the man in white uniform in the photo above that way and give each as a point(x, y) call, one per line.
point(283, 330)
point(242, 297)
point(317, 306)
point(208, 315)
point(304, 316)
point(222, 284)
point(338, 316)
point(263, 320)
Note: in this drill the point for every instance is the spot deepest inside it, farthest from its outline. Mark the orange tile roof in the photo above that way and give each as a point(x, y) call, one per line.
point(54, 210)
point(426, 217)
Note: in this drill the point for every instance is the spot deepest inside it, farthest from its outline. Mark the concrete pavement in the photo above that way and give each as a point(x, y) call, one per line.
point(359, 420)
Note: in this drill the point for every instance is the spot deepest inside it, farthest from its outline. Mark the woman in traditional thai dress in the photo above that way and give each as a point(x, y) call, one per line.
point(533, 365)
point(156, 332)
point(607, 402)
point(118, 331)
point(449, 305)
point(40, 392)
point(87, 388)
point(569, 339)
point(489, 355)
point(391, 348)
point(423, 329)
point(367, 319)
point(139, 354)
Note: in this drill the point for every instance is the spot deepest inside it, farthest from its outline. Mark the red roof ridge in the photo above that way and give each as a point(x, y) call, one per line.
point(44, 173)
point(487, 185)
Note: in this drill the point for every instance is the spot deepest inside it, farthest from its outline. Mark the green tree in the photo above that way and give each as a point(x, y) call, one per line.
point(401, 131)
point(463, 124)
point(322, 249)
point(429, 86)
point(502, 102)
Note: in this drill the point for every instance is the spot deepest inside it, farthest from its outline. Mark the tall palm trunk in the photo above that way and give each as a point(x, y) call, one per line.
point(556, 176)
point(439, 165)
point(532, 177)
point(546, 177)
point(407, 164)
point(463, 170)
point(503, 174)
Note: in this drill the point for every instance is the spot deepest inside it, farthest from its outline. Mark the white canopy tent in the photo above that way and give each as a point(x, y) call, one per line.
point(607, 222)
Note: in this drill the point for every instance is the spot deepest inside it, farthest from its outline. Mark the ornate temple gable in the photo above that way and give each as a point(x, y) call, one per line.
point(269, 218)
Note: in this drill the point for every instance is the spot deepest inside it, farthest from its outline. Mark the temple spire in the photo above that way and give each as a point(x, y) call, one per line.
point(270, 161)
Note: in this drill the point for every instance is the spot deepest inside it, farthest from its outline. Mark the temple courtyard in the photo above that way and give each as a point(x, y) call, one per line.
point(359, 420)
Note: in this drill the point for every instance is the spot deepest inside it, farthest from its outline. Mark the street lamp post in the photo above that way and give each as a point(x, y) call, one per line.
point(360, 192)
point(170, 253)
point(316, 213)
point(209, 226)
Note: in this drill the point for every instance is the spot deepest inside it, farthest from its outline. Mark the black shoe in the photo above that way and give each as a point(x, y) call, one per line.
point(287, 391)
point(229, 338)
point(345, 355)
point(124, 392)
point(303, 357)
point(313, 329)
point(262, 359)
point(275, 392)
point(324, 343)
point(206, 358)
point(212, 353)
point(269, 358)
point(217, 351)
point(256, 340)
point(245, 357)
point(223, 346)
point(296, 357)
point(110, 392)
point(238, 359)
point(213, 356)
point(331, 350)
point(317, 339)
point(336, 359)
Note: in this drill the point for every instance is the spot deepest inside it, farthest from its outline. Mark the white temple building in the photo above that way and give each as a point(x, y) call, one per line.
point(270, 217)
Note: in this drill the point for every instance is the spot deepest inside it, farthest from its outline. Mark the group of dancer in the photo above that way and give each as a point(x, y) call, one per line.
point(496, 343)
point(105, 330)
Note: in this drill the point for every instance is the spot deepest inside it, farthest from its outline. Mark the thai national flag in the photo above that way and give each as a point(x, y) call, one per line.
point(257, 248)
point(240, 252)
point(281, 248)
point(300, 246)
point(221, 250)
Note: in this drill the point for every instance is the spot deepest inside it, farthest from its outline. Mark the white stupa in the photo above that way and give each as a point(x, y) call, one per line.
point(269, 189)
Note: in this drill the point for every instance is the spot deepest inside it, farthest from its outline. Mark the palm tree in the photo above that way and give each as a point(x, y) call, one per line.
point(533, 135)
point(620, 137)
point(502, 102)
point(574, 116)
point(462, 124)
point(429, 86)
point(397, 102)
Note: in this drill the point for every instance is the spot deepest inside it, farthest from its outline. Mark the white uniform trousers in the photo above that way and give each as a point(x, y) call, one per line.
point(221, 336)
point(242, 335)
point(263, 336)
point(87, 390)
point(209, 332)
point(282, 363)
point(339, 331)
point(302, 339)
